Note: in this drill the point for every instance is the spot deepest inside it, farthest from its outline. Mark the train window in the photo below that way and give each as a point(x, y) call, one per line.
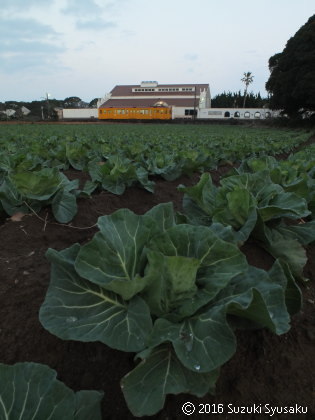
point(236, 114)
point(122, 111)
point(227, 114)
point(100, 111)
point(267, 115)
point(146, 112)
point(246, 114)
point(257, 114)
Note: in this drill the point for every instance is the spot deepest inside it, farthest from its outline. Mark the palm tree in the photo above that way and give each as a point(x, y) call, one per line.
point(247, 79)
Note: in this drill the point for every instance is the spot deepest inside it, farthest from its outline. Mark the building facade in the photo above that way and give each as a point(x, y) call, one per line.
point(185, 99)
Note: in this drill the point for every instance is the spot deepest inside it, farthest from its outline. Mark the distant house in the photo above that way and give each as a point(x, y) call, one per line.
point(25, 111)
point(184, 98)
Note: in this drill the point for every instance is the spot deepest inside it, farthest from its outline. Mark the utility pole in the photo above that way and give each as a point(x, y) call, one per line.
point(195, 98)
point(48, 110)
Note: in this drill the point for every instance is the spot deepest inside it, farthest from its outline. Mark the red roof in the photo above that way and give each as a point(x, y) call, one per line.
point(130, 103)
point(126, 90)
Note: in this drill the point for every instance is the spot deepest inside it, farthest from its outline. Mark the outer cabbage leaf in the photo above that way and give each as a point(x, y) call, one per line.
point(31, 391)
point(303, 232)
point(199, 200)
point(161, 373)
point(64, 206)
point(76, 309)
point(282, 245)
point(204, 341)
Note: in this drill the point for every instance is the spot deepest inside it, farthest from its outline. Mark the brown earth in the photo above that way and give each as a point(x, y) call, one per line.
point(266, 369)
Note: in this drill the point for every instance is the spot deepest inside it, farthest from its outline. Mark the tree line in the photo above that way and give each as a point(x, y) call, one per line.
point(238, 99)
point(42, 109)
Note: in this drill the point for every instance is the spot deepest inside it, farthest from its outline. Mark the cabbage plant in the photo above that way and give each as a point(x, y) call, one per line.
point(252, 205)
point(167, 292)
point(22, 191)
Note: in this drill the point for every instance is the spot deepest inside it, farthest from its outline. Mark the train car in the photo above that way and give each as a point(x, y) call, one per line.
point(135, 113)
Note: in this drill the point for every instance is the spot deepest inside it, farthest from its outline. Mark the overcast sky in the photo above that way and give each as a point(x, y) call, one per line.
point(86, 47)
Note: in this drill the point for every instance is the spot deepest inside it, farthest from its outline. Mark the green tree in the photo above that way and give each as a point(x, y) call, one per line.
point(247, 79)
point(292, 73)
point(93, 103)
point(72, 102)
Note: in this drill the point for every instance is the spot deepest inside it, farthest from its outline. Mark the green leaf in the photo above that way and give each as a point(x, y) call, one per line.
point(12, 201)
point(239, 211)
point(259, 297)
point(205, 261)
point(159, 374)
point(281, 273)
point(64, 206)
point(304, 233)
point(39, 185)
point(76, 309)
point(199, 200)
point(202, 343)
point(114, 258)
point(31, 391)
point(284, 205)
point(88, 405)
point(163, 216)
point(169, 281)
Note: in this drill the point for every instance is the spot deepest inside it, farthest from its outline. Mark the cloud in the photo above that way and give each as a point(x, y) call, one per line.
point(19, 63)
point(19, 5)
point(97, 24)
point(24, 28)
point(27, 43)
point(26, 47)
point(82, 8)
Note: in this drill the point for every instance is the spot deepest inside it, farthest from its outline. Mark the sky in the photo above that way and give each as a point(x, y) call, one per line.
point(85, 47)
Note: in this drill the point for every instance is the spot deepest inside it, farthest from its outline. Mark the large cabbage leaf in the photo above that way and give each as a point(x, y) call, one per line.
point(31, 391)
point(161, 373)
point(77, 309)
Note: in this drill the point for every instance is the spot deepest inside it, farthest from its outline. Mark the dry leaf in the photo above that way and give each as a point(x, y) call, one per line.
point(17, 217)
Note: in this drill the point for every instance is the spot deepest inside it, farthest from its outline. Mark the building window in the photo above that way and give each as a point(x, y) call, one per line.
point(190, 112)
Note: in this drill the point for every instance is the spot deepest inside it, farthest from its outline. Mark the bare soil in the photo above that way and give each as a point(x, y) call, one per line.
point(266, 369)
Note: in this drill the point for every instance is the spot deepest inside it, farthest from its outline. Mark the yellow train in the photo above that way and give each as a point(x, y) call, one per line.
point(135, 113)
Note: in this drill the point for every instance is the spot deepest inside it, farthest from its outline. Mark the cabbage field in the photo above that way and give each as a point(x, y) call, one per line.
point(156, 271)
